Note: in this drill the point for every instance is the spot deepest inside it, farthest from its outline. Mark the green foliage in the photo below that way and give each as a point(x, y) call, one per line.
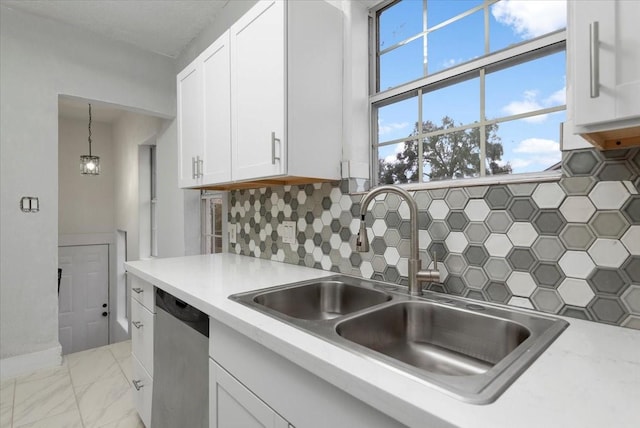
point(454, 154)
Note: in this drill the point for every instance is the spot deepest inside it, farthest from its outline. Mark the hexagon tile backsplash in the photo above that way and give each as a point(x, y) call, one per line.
point(570, 247)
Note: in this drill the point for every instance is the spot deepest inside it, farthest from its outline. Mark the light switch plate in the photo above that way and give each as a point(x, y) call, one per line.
point(288, 232)
point(232, 234)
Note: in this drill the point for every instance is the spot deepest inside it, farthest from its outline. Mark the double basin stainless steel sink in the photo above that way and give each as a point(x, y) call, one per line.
point(472, 351)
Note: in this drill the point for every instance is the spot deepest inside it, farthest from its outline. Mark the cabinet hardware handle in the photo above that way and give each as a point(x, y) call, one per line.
point(193, 168)
point(200, 167)
point(137, 384)
point(594, 59)
point(273, 148)
point(137, 324)
point(138, 290)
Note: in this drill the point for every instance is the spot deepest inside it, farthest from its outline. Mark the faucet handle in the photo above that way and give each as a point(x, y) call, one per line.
point(435, 260)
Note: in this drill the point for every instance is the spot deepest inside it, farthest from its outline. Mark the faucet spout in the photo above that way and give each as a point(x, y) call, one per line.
point(416, 275)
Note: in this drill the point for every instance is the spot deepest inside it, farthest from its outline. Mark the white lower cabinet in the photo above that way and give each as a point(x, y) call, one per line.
point(232, 405)
point(143, 384)
point(142, 325)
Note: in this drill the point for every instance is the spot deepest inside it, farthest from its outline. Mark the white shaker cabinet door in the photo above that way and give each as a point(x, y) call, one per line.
point(216, 78)
point(232, 405)
point(258, 88)
point(190, 123)
point(606, 60)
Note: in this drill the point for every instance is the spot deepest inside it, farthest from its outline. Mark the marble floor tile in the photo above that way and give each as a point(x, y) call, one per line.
point(42, 398)
point(131, 420)
point(64, 420)
point(126, 365)
point(6, 416)
point(92, 365)
point(51, 373)
point(7, 388)
point(105, 401)
point(121, 349)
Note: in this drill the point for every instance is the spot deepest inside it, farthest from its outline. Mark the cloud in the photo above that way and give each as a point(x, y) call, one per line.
point(536, 154)
point(530, 19)
point(559, 97)
point(391, 127)
point(530, 103)
point(539, 146)
point(450, 62)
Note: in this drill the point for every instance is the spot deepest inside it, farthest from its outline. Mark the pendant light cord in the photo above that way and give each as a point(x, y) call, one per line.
point(89, 129)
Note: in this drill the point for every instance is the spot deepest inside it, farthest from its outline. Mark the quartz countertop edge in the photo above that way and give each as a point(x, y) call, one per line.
point(588, 377)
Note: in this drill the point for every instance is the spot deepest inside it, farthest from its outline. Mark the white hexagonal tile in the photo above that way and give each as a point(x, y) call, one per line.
point(301, 197)
point(522, 234)
point(335, 241)
point(577, 209)
point(379, 227)
point(325, 262)
point(521, 302)
point(609, 195)
point(576, 264)
point(548, 195)
point(366, 270)
point(317, 225)
point(403, 266)
point(317, 254)
point(438, 209)
point(521, 284)
point(325, 217)
point(345, 250)
point(335, 194)
point(345, 202)
point(456, 242)
point(631, 240)
point(424, 239)
point(608, 252)
point(477, 210)
point(391, 255)
point(403, 210)
point(575, 292)
point(498, 245)
point(309, 246)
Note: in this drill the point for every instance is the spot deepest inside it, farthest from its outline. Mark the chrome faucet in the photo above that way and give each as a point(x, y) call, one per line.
point(416, 275)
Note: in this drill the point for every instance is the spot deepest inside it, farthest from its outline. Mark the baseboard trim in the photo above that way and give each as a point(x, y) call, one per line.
point(23, 364)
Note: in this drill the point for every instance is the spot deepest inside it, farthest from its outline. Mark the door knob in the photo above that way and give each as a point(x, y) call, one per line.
point(104, 314)
point(104, 305)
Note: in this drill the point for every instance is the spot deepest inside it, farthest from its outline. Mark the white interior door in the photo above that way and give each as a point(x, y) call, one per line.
point(83, 314)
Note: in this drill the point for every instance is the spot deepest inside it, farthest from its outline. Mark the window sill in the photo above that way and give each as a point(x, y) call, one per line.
point(536, 177)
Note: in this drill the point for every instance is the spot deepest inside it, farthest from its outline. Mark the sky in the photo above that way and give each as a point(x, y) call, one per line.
point(530, 144)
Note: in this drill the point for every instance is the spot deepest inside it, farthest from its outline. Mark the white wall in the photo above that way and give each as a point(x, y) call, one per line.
point(85, 203)
point(40, 59)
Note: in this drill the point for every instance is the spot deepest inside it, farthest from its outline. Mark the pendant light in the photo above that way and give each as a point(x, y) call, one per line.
point(89, 165)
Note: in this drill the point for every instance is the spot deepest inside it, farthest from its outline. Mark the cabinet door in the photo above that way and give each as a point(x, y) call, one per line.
point(142, 392)
point(232, 405)
point(190, 131)
point(216, 79)
point(258, 92)
point(615, 55)
point(142, 335)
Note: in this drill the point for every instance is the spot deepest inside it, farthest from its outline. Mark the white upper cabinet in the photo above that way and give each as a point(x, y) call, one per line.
point(265, 100)
point(605, 69)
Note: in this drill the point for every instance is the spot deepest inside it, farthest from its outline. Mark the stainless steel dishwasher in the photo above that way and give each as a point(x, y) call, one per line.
point(181, 365)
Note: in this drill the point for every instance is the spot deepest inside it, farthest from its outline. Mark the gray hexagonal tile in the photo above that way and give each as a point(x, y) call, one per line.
point(548, 195)
point(575, 292)
point(548, 274)
point(456, 199)
point(577, 186)
point(455, 285)
point(609, 224)
point(392, 201)
point(631, 209)
point(522, 209)
point(455, 263)
point(439, 249)
point(549, 222)
point(614, 171)
point(631, 321)
point(498, 197)
point(378, 246)
point(476, 192)
point(605, 280)
point(423, 199)
point(476, 255)
point(498, 292)
point(573, 312)
point(546, 300)
point(476, 295)
point(392, 218)
point(438, 230)
point(632, 268)
point(634, 158)
point(391, 237)
point(548, 248)
point(631, 240)
point(497, 269)
point(521, 259)
point(499, 221)
point(522, 189)
point(356, 259)
point(457, 220)
point(607, 309)
point(631, 298)
point(475, 277)
point(581, 162)
point(577, 236)
point(424, 220)
point(476, 232)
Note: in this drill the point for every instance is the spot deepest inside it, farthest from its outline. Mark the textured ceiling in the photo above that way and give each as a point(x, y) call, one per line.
point(160, 26)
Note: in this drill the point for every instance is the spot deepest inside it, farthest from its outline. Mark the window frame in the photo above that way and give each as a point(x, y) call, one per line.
point(510, 56)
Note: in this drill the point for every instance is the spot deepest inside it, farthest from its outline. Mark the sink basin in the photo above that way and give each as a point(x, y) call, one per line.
point(321, 300)
point(436, 338)
point(470, 350)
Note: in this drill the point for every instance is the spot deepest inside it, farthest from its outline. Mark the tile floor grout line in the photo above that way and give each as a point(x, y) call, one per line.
point(75, 396)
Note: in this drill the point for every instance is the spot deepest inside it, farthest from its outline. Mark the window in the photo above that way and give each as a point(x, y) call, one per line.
point(213, 208)
point(467, 88)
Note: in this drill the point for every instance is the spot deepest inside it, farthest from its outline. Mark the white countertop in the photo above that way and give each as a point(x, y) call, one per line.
point(588, 377)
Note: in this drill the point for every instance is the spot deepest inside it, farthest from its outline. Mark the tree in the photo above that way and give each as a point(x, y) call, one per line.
point(454, 154)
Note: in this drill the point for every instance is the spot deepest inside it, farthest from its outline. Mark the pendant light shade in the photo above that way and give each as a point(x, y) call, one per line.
point(89, 164)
